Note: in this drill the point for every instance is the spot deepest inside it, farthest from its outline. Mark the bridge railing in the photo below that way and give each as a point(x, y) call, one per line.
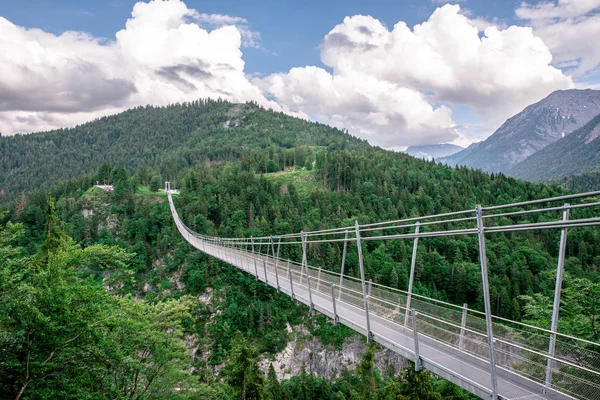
point(556, 361)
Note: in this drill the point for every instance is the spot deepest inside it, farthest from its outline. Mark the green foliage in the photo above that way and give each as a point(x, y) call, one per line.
point(587, 182)
point(165, 139)
point(370, 380)
point(412, 385)
point(273, 388)
point(328, 333)
point(579, 310)
point(243, 372)
point(64, 336)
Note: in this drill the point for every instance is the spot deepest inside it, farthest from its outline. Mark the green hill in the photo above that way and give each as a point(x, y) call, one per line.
point(166, 139)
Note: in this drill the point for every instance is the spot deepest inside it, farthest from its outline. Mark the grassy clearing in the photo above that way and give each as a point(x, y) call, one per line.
point(304, 180)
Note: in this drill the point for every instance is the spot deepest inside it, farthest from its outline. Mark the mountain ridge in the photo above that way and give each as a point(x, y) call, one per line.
point(576, 153)
point(433, 151)
point(529, 131)
point(166, 139)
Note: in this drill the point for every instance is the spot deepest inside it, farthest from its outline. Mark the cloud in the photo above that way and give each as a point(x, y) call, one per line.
point(369, 107)
point(394, 87)
point(161, 56)
point(561, 9)
point(250, 38)
point(390, 86)
point(570, 29)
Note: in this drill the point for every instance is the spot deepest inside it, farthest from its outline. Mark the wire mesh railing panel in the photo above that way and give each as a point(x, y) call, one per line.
point(437, 330)
point(574, 381)
point(352, 297)
point(387, 310)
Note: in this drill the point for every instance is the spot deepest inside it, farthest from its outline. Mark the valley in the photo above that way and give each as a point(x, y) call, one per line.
point(268, 178)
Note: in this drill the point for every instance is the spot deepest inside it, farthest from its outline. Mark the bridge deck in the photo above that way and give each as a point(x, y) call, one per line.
point(464, 369)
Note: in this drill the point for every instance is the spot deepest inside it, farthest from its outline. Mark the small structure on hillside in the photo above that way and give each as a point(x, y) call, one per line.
point(106, 188)
point(168, 189)
point(172, 191)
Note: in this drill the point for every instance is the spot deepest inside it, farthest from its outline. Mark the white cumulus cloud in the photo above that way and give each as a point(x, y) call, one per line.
point(388, 84)
point(393, 86)
point(163, 55)
point(571, 29)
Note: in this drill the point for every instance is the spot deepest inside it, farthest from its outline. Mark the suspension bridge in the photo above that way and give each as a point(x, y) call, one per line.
point(490, 356)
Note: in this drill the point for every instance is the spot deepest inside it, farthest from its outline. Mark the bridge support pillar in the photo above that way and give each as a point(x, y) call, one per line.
point(411, 279)
point(304, 262)
point(276, 277)
point(319, 280)
point(362, 279)
point(310, 301)
point(463, 324)
point(255, 270)
point(265, 270)
point(557, 291)
point(335, 316)
point(275, 258)
point(291, 282)
point(418, 364)
point(486, 299)
point(343, 264)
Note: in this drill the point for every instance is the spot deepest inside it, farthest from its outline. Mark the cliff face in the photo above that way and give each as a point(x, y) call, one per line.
point(325, 361)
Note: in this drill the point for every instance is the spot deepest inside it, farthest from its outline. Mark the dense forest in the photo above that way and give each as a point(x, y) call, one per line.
point(587, 182)
point(167, 139)
point(101, 298)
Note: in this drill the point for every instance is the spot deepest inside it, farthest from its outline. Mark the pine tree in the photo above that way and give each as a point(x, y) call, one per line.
point(273, 386)
point(243, 372)
point(368, 374)
point(54, 228)
point(394, 278)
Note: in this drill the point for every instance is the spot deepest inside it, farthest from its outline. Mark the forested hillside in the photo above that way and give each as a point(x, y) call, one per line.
point(210, 323)
point(576, 153)
point(587, 182)
point(165, 139)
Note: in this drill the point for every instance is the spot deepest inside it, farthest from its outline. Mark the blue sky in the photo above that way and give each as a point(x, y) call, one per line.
point(291, 30)
point(448, 80)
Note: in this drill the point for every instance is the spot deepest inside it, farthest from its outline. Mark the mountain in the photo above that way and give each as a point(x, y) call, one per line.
point(166, 139)
point(576, 153)
point(456, 158)
point(532, 129)
point(432, 151)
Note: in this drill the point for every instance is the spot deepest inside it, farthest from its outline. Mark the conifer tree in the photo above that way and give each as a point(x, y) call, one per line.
point(273, 386)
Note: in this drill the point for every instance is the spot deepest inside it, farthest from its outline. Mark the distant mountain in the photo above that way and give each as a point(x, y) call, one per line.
point(532, 129)
point(456, 158)
point(431, 151)
point(576, 153)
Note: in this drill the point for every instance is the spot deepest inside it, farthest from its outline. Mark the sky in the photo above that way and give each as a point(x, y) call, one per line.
point(397, 73)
